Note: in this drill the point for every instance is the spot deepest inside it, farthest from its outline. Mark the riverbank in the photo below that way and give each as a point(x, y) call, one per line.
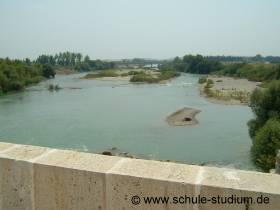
point(227, 90)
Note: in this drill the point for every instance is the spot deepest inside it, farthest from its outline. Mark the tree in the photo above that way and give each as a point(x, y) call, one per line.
point(27, 61)
point(17, 74)
point(278, 72)
point(79, 57)
point(265, 128)
point(258, 57)
point(266, 103)
point(48, 71)
point(86, 59)
point(193, 64)
point(266, 145)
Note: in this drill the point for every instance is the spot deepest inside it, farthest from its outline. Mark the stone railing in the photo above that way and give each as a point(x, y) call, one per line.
point(44, 178)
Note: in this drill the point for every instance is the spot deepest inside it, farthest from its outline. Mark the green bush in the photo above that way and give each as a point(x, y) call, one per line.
point(266, 144)
point(134, 72)
point(48, 71)
point(149, 78)
point(265, 128)
point(166, 75)
point(266, 103)
point(109, 73)
point(144, 78)
point(15, 75)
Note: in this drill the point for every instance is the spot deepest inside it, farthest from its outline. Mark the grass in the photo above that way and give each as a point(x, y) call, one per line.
point(227, 95)
point(153, 78)
point(144, 78)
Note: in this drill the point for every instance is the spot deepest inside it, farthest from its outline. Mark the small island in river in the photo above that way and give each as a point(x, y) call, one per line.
point(227, 90)
point(134, 76)
point(183, 117)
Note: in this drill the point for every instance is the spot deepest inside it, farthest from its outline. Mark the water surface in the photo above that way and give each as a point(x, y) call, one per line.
point(106, 114)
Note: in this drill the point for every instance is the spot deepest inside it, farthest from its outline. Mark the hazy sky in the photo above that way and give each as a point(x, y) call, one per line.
point(139, 28)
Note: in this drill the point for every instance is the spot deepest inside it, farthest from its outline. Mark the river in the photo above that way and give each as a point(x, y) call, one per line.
point(99, 115)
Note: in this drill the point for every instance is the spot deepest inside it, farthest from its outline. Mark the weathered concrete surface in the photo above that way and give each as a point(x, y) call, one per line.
point(43, 178)
point(277, 170)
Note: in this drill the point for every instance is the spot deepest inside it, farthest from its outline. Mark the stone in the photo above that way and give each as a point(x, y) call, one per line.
point(107, 153)
point(44, 178)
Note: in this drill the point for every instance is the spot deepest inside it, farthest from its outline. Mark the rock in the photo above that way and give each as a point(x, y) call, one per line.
point(113, 152)
point(107, 153)
point(188, 119)
point(126, 154)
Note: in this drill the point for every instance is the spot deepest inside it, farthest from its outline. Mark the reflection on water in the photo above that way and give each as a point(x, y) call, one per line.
point(92, 115)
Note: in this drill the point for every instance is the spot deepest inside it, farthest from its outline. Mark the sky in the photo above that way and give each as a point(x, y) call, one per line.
point(115, 29)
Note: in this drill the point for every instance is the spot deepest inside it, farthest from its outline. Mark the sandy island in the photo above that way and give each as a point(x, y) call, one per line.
point(183, 117)
point(226, 89)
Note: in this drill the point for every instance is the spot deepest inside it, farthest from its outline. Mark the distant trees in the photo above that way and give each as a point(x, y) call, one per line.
point(62, 59)
point(254, 72)
point(265, 128)
point(75, 61)
point(241, 59)
point(192, 64)
point(207, 65)
point(15, 75)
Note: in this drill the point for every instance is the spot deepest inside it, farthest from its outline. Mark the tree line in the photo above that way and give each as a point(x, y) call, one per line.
point(17, 74)
point(74, 61)
point(240, 59)
point(197, 64)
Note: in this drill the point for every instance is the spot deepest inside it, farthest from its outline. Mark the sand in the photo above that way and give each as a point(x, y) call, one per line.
point(179, 117)
point(227, 85)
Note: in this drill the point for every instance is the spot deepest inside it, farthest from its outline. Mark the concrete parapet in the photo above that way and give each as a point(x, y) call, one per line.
point(43, 178)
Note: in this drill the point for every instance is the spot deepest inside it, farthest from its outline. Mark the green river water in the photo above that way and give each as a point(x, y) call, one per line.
point(104, 114)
